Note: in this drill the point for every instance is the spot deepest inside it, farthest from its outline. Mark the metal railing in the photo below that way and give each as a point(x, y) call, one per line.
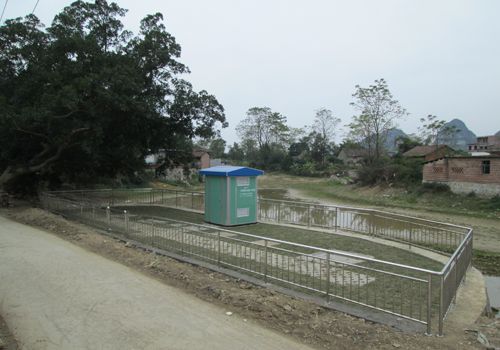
point(371, 222)
point(190, 200)
point(413, 293)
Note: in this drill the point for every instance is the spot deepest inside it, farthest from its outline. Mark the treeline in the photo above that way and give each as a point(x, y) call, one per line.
point(269, 143)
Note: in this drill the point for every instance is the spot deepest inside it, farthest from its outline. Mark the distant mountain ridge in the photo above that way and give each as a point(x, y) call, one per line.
point(461, 139)
point(458, 140)
point(390, 143)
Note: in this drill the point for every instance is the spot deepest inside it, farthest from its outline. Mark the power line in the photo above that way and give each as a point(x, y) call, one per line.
point(3, 11)
point(34, 8)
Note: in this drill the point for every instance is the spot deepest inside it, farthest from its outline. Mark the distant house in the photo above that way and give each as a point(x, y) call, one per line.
point(428, 153)
point(201, 158)
point(480, 174)
point(181, 172)
point(352, 155)
point(489, 144)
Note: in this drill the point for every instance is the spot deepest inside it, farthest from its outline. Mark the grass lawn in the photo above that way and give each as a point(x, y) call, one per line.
point(302, 236)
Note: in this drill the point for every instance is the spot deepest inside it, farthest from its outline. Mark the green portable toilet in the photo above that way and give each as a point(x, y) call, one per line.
point(231, 195)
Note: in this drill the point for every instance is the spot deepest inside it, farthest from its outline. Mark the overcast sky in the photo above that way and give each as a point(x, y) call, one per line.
point(438, 57)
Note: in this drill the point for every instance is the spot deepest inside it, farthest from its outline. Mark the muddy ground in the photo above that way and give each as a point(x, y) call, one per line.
point(7, 340)
point(301, 320)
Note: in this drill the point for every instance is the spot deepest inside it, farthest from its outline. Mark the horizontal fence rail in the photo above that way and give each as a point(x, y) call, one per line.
point(413, 293)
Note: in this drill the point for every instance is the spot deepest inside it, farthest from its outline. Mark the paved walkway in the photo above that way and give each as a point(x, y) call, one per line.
point(55, 295)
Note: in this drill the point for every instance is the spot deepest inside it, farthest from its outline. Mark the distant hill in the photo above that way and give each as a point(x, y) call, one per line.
point(460, 139)
point(497, 134)
point(392, 136)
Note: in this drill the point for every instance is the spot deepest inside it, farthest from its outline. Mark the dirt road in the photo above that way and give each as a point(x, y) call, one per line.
point(55, 295)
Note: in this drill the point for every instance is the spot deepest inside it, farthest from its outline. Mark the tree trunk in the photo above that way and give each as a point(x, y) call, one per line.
point(10, 174)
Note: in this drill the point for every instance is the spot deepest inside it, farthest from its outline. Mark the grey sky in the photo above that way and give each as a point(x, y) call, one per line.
point(438, 57)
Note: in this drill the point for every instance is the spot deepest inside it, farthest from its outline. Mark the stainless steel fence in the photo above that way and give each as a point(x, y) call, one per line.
point(190, 200)
point(414, 231)
point(417, 294)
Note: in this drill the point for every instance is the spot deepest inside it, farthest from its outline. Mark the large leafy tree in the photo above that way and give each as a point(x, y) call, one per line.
point(264, 126)
point(265, 137)
point(86, 98)
point(378, 113)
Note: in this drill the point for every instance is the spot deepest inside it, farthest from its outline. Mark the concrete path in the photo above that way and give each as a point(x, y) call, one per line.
point(55, 295)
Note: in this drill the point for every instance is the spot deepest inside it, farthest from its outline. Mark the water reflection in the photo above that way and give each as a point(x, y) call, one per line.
point(373, 223)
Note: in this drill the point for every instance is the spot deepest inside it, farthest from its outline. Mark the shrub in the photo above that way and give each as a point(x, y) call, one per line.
point(433, 187)
point(491, 203)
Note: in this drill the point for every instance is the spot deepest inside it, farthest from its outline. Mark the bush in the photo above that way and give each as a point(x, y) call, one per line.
point(304, 169)
point(397, 171)
point(492, 203)
point(381, 171)
point(433, 187)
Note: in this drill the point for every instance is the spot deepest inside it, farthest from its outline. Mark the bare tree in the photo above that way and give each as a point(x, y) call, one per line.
point(436, 132)
point(379, 112)
point(325, 127)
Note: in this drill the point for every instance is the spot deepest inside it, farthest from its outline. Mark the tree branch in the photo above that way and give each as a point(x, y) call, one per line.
point(31, 132)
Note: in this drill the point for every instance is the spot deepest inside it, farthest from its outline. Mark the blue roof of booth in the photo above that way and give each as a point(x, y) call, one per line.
point(226, 170)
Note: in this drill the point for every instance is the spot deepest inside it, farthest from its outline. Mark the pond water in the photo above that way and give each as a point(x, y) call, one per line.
point(493, 288)
point(274, 193)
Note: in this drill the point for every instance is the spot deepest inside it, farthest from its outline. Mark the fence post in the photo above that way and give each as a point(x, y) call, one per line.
point(441, 305)
point(336, 218)
point(182, 239)
point(429, 304)
point(108, 216)
point(152, 234)
point(309, 215)
point(218, 247)
point(409, 239)
point(176, 198)
point(279, 212)
point(259, 216)
point(456, 281)
point(371, 226)
point(265, 262)
point(125, 217)
point(328, 277)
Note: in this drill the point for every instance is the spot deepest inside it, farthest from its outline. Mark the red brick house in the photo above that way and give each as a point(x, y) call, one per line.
point(480, 175)
point(428, 153)
point(486, 144)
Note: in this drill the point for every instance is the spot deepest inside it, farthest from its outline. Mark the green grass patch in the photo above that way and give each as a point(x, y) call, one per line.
point(302, 236)
point(487, 262)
